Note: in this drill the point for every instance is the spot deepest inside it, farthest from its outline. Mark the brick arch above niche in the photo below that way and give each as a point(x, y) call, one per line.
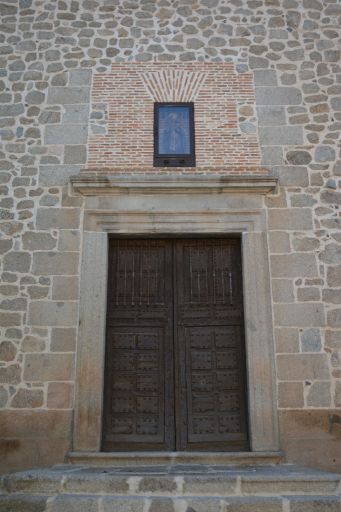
point(173, 84)
point(226, 133)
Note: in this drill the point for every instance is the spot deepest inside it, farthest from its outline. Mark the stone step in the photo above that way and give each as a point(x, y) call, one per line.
point(95, 503)
point(174, 458)
point(174, 480)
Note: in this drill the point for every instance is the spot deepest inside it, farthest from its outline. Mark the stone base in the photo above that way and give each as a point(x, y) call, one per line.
point(312, 437)
point(30, 438)
point(172, 488)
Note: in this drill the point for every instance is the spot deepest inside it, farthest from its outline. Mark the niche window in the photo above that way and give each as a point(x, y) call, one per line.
point(174, 135)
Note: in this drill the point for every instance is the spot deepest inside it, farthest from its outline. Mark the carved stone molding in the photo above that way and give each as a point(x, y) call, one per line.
point(99, 183)
point(121, 205)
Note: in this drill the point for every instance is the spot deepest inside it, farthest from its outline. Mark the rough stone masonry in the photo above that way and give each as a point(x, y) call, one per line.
point(51, 55)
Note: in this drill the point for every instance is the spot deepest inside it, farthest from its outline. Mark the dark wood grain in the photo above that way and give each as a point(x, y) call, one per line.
point(175, 359)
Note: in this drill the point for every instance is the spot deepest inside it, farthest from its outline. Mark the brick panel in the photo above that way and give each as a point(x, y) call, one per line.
point(129, 93)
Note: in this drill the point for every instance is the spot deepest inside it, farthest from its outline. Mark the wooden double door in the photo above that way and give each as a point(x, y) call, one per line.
point(175, 358)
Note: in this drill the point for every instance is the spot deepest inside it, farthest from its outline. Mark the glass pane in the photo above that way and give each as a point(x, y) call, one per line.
point(174, 130)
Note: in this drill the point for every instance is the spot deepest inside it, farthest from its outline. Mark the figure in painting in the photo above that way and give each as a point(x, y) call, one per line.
point(174, 131)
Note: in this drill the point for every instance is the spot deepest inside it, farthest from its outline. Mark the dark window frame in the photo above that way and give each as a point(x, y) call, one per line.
point(171, 160)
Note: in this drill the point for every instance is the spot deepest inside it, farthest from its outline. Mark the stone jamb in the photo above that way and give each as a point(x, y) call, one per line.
point(148, 212)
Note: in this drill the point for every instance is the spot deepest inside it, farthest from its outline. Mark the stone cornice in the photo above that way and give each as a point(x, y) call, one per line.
point(89, 183)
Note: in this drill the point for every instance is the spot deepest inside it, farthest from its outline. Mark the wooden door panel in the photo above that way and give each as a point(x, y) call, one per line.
point(139, 384)
point(137, 392)
point(175, 360)
point(211, 397)
point(214, 385)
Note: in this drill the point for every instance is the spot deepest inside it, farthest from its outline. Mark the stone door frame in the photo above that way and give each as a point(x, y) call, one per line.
point(162, 207)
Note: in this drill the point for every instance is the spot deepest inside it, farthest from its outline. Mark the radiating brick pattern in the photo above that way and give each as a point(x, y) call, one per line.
point(172, 84)
point(130, 91)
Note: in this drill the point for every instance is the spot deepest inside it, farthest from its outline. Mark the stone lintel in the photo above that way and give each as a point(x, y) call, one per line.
point(91, 183)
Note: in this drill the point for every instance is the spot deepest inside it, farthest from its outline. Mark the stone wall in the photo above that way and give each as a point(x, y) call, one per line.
point(50, 54)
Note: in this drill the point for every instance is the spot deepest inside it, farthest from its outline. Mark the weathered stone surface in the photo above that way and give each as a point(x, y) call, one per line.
point(80, 77)
point(53, 175)
point(337, 396)
point(161, 505)
point(299, 157)
point(334, 318)
point(35, 98)
point(23, 503)
point(68, 95)
point(76, 114)
point(272, 155)
point(315, 504)
point(5, 245)
point(52, 218)
point(334, 276)
point(201, 485)
point(287, 340)
point(252, 505)
point(48, 367)
point(17, 261)
point(294, 265)
point(332, 296)
point(123, 505)
point(3, 397)
point(55, 263)
point(10, 375)
point(303, 200)
point(294, 219)
point(271, 116)
point(52, 313)
point(65, 288)
point(299, 315)
point(331, 254)
point(103, 483)
point(69, 240)
point(74, 504)
point(49, 117)
point(319, 395)
point(305, 244)
point(302, 366)
point(66, 134)
point(51, 425)
point(279, 242)
point(75, 154)
point(280, 135)
point(63, 339)
point(28, 398)
point(18, 304)
point(278, 96)
point(308, 294)
point(265, 77)
point(10, 319)
point(59, 395)
point(330, 197)
point(333, 339)
point(38, 241)
point(311, 340)
point(7, 351)
point(324, 154)
point(32, 344)
point(290, 395)
point(282, 290)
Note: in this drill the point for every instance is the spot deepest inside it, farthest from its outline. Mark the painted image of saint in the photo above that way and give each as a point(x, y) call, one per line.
point(174, 131)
